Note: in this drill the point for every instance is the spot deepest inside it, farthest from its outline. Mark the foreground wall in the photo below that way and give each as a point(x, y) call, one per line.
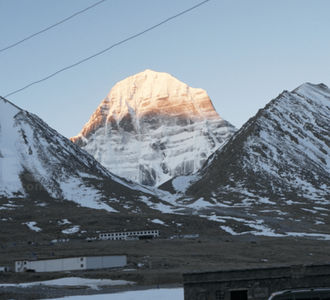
point(257, 284)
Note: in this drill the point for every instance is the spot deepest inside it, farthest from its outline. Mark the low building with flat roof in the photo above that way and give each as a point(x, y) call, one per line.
point(71, 263)
point(130, 235)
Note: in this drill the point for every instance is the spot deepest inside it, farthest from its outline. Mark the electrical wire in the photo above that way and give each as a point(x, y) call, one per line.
point(50, 27)
point(108, 48)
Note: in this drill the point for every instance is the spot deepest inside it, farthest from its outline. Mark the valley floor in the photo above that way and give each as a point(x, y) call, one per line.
point(157, 263)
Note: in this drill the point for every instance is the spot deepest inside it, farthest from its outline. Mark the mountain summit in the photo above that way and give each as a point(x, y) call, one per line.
point(152, 127)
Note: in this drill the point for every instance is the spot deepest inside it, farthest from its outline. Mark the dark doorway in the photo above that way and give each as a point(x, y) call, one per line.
point(238, 295)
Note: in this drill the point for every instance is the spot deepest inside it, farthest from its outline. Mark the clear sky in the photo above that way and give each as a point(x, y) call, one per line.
point(242, 52)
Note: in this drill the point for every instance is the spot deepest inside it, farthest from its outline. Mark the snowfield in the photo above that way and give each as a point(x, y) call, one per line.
point(159, 294)
point(70, 282)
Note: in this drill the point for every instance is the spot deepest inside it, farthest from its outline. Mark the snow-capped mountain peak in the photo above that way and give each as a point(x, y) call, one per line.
point(151, 127)
point(148, 93)
point(318, 92)
point(154, 92)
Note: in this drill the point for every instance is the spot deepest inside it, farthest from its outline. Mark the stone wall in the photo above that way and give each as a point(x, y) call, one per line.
point(259, 284)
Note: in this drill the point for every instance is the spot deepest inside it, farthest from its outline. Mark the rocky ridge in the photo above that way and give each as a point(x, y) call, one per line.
point(282, 152)
point(273, 175)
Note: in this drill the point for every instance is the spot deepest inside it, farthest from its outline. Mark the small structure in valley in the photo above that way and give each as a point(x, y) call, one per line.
point(130, 235)
point(71, 264)
point(254, 284)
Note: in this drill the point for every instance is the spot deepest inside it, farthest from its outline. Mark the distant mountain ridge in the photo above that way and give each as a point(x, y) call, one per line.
point(152, 127)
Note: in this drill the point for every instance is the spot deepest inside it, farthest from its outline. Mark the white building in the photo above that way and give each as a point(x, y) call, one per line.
point(129, 235)
point(71, 263)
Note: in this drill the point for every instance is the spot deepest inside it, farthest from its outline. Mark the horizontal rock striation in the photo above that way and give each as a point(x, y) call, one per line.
point(152, 127)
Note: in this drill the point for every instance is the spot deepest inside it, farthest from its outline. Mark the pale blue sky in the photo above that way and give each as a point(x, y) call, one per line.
point(242, 52)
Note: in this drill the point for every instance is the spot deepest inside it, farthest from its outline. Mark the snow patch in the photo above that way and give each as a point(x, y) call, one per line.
point(63, 222)
point(71, 282)
point(32, 226)
point(318, 236)
point(71, 230)
point(74, 190)
point(159, 294)
point(182, 183)
point(157, 221)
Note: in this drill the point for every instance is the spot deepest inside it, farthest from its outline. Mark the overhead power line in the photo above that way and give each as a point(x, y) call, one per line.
point(108, 48)
point(51, 26)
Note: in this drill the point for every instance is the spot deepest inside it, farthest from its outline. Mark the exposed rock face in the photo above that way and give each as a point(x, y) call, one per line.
point(152, 127)
point(284, 151)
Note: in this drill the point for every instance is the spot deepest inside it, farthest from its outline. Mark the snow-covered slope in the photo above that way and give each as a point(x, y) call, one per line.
point(50, 188)
point(284, 151)
point(36, 160)
point(273, 175)
point(152, 127)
